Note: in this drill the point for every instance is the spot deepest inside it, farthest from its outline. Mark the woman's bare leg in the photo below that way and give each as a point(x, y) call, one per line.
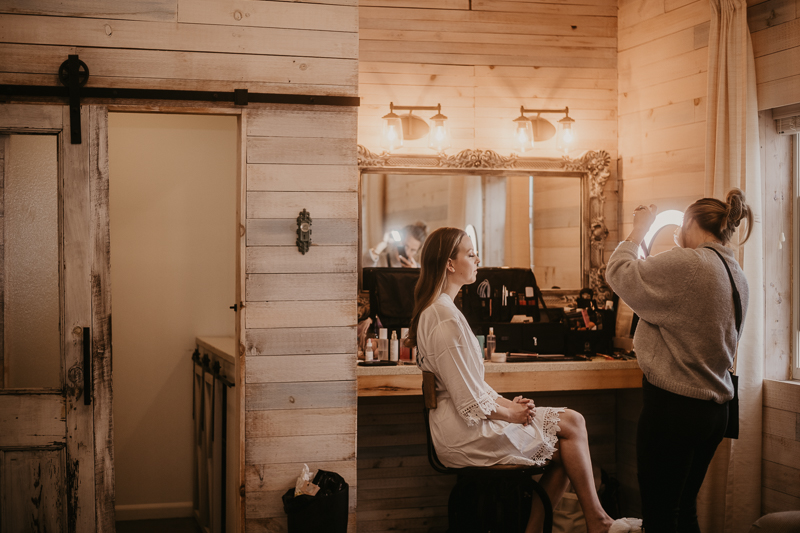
point(554, 481)
point(574, 450)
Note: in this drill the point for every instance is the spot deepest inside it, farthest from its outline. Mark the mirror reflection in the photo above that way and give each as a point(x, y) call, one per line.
point(514, 220)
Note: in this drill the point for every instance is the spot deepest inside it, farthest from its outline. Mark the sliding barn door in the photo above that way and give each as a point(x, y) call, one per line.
point(56, 463)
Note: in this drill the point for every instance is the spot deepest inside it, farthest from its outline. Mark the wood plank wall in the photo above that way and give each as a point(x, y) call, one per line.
point(780, 454)
point(775, 30)
point(300, 310)
point(663, 56)
point(663, 63)
point(212, 45)
point(397, 488)
point(482, 60)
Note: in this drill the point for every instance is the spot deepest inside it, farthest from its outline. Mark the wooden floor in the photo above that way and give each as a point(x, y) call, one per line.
point(168, 525)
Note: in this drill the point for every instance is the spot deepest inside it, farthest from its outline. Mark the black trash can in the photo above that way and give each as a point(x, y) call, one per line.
point(325, 512)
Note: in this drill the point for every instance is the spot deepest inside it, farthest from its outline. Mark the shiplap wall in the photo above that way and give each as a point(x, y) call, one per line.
point(482, 60)
point(663, 56)
point(212, 45)
point(663, 63)
point(397, 488)
point(780, 454)
point(775, 30)
point(298, 324)
point(300, 310)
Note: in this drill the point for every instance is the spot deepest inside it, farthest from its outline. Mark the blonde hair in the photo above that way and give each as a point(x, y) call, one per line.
point(721, 218)
point(442, 244)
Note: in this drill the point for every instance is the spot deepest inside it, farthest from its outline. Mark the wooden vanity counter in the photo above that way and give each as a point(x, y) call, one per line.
point(600, 373)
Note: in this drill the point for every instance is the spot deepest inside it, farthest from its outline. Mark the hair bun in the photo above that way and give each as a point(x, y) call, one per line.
point(421, 225)
point(737, 208)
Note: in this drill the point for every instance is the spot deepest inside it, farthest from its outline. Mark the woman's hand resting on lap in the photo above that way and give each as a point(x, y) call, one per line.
point(519, 411)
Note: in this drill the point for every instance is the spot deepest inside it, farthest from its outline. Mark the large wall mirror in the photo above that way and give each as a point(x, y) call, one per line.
point(521, 212)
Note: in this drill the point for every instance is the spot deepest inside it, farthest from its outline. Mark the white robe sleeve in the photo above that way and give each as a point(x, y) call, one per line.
point(456, 365)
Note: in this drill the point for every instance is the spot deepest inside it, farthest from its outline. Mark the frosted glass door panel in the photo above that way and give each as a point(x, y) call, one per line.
point(31, 338)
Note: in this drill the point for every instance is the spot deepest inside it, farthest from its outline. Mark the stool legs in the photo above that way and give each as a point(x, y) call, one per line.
point(481, 504)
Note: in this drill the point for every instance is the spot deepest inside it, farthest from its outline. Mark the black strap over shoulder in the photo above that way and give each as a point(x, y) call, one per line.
point(737, 300)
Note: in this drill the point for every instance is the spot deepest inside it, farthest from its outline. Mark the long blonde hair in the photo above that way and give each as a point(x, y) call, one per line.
point(721, 218)
point(441, 245)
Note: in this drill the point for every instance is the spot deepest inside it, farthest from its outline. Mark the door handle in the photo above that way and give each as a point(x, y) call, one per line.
point(87, 367)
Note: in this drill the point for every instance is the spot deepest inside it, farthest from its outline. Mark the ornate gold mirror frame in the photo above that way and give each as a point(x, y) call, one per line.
point(593, 167)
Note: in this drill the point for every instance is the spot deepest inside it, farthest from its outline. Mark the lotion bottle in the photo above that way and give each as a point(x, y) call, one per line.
point(490, 344)
point(383, 344)
point(405, 351)
point(368, 354)
point(394, 346)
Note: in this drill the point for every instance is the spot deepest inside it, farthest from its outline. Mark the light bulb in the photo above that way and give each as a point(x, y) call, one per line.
point(523, 133)
point(392, 137)
point(439, 136)
point(566, 134)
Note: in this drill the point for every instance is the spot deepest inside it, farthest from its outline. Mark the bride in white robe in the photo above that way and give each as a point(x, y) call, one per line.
point(473, 425)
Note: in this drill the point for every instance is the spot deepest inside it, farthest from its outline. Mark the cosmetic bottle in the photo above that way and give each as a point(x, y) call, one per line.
point(369, 354)
point(394, 347)
point(414, 354)
point(383, 344)
point(490, 340)
point(405, 351)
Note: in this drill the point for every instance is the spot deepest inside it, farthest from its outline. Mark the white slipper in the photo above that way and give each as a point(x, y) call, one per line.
point(626, 525)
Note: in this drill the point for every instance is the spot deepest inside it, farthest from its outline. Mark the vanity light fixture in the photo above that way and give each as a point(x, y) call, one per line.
point(566, 133)
point(412, 127)
point(528, 131)
point(392, 137)
point(523, 136)
point(439, 137)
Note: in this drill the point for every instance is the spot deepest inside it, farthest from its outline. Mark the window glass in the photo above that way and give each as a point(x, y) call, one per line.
point(31, 337)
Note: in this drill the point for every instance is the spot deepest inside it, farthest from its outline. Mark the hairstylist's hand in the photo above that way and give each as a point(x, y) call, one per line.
point(643, 218)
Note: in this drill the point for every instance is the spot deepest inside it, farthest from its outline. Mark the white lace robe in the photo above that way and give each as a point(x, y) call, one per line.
point(461, 433)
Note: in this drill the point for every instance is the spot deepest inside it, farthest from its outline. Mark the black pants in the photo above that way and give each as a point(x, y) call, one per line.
point(675, 442)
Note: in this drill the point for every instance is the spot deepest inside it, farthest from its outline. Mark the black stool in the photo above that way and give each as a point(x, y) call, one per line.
point(496, 494)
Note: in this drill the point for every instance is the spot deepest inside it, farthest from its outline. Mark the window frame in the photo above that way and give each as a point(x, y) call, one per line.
point(796, 256)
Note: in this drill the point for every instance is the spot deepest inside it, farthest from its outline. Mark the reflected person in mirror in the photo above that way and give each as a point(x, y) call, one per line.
point(685, 343)
point(473, 425)
point(402, 254)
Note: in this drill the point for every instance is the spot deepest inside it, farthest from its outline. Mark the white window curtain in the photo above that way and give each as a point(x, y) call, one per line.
point(730, 500)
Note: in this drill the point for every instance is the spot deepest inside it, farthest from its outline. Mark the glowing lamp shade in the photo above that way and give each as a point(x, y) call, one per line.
point(523, 134)
point(671, 217)
point(439, 136)
point(392, 137)
point(566, 134)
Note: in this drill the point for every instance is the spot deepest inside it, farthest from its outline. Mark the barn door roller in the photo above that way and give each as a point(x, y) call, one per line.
point(74, 74)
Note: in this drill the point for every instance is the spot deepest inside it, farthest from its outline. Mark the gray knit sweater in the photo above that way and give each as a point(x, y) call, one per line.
point(686, 337)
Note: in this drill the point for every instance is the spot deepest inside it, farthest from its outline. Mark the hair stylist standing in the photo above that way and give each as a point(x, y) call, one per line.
point(685, 343)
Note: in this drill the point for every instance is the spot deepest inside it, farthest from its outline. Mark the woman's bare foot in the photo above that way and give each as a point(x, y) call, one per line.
point(599, 524)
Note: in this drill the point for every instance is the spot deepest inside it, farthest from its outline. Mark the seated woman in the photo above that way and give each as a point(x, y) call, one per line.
point(473, 425)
